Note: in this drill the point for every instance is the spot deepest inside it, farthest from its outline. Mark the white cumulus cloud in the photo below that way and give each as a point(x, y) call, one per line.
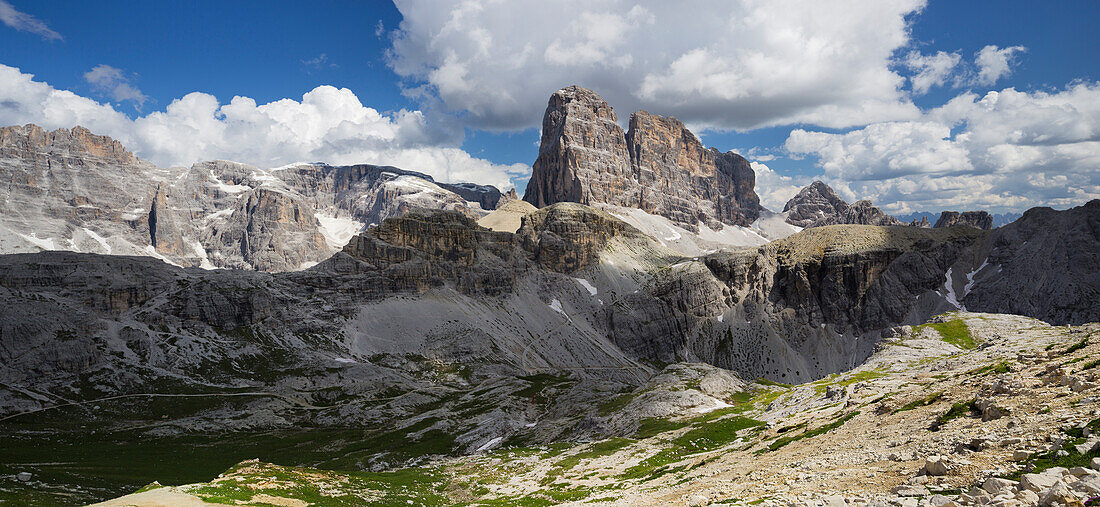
point(1005, 150)
point(328, 124)
point(995, 63)
point(930, 70)
point(719, 63)
point(775, 189)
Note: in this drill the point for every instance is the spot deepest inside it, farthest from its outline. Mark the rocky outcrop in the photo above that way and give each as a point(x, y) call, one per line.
point(486, 196)
point(508, 217)
point(976, 219)
point(814, 202)
point(76, 142)
point(422, 249)
point(818, 205)
point(566, 237)
point(658, 165)
point(164, 232)
point(922, 223)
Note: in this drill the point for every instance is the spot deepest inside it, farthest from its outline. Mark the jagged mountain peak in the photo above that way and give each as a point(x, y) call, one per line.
point(76, 141)
point(657, 166)
point(818, 204)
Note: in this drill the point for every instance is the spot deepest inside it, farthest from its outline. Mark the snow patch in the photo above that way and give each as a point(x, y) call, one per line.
point(225, 187)
point(338, 231)
point(152, 252)
point(204, 260)
point(43, 243)
point(490, 444)
point(556, 306)
point(720, 317)
point(98, 239)
point(344, 360)
point(219, 214)
point(584, 283)
point(950, 292)
point(717, 405)
point(775, 226)
point(970, 277)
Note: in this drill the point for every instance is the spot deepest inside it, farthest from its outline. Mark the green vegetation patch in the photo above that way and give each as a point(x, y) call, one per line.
point(1077, 346)
point(820, 430)
point(652, 426)
point(957, 410)
point(922, 402)
point(705, 436)
point(954, 332)
point(617, 403)
point(1001, 367)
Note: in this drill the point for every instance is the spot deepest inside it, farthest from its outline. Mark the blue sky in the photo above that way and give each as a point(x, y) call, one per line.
point(471, 98)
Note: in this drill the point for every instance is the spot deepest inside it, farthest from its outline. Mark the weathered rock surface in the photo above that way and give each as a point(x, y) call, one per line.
point(975, 219)
point(657, 166)
point(818, 205)
point(508, 217)
point(73, 190)
point(1046, 265)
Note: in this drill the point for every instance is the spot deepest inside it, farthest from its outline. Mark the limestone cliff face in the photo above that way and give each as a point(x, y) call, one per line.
point(658, 165)
point(164, 229)
point(818, 205)
point(268, 231)
point(428, 248)
point(566, 237)
point(75, 142)
point(976, 219)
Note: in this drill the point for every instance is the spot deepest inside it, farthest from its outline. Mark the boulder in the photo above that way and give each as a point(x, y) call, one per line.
point(937, 466)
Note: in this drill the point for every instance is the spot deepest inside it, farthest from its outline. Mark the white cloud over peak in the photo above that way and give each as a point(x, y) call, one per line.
point(720, 63)
point(328, 124)
point(775, 189)
point(995, 63)
point(111, 82)
point(1006, 150)
point(24, 22)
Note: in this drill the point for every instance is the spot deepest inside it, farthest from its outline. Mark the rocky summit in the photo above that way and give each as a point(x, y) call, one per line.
point(657, 165)
point(818, 205)
point(976, 219)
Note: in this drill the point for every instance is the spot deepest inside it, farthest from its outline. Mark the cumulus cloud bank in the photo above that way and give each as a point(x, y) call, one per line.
point(328, 124)
point(1006, 150)
point(722, 63)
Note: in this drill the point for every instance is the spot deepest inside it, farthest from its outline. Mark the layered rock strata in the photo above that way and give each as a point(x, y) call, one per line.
point(658, 165)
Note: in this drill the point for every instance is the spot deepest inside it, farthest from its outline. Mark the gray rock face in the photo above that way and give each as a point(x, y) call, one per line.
point(268, 231)
point(658, 165)
point(73, 190)
point(976, 219)
point(452, 316)
point(1045, 265)
point(487, 196)
point(818, 205)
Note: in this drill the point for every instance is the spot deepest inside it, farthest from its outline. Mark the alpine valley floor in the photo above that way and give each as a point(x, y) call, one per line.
point(969, 408)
